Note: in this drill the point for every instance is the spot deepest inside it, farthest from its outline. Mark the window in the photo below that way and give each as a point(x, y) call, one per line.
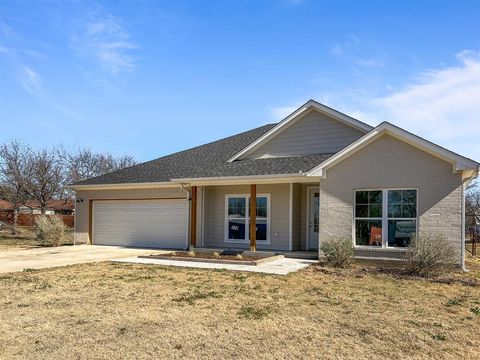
point(236, 218)
point(385, 218)
point(238, 215)
point(368, 218)
point(402, 217)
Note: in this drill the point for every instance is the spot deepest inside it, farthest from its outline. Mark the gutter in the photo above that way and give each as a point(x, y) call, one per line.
point(146, 185)
point(239, 180)
point(464, 185)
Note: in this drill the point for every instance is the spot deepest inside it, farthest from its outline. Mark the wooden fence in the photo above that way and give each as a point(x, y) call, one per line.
point(29, 219)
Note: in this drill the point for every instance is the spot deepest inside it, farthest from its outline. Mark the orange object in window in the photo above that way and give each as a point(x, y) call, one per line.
point(375, 236)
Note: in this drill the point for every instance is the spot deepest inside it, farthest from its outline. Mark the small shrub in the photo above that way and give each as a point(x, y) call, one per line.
point(475, 310)
point(50, 230)
point(215, 255)
point(338, 251)
point(239, 257)
point(453, 302)
point(430, 255)
point(191, 253)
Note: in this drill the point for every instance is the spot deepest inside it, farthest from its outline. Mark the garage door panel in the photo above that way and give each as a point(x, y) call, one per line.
point(144, 223)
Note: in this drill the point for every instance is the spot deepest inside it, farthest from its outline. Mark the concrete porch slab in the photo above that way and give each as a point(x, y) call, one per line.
point(277, 267)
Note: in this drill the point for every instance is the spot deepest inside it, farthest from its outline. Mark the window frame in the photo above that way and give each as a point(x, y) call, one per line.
point(247, 219)
point(384, 219)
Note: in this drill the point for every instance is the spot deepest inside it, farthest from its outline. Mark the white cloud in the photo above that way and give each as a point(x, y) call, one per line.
point(108, 42)
point(441, 104)
point(30, 80)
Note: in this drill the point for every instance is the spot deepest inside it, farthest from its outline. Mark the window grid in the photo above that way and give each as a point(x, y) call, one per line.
point(385, 216)
point(246, 218)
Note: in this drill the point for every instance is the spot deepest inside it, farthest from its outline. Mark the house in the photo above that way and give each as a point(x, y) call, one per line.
point(31, 209)
point(54, 207)
point(285, 187)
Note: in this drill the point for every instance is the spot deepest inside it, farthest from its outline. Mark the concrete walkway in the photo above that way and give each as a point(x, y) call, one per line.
point(276, 267)
point(38, 258)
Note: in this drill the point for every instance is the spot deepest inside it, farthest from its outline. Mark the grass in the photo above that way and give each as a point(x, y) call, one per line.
point(106, 310)
point(24, 239)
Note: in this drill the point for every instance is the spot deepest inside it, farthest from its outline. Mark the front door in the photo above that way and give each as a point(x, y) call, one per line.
point(313, 221)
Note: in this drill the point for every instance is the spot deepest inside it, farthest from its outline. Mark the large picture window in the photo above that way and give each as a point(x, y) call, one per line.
point(385, 218)
point(238, 218)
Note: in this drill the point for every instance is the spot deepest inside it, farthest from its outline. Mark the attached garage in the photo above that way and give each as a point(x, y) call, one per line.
point(141, 223)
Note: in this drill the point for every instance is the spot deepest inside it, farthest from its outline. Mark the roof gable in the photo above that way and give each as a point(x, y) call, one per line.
point(299, 114)
point(459, 163)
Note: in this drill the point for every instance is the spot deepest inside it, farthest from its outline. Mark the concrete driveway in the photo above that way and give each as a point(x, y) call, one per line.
point(38, 258)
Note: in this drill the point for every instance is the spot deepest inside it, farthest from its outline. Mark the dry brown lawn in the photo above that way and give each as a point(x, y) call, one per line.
point(24, 239)
point(121, 311)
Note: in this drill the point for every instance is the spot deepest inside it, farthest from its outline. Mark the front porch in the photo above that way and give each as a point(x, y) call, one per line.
point(275, 217)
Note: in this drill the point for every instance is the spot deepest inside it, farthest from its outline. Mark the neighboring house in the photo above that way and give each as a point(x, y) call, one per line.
point(60, 207)
point(316, 174)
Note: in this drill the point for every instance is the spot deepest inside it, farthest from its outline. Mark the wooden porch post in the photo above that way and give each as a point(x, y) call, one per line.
point(193, 217)
point(253, 217)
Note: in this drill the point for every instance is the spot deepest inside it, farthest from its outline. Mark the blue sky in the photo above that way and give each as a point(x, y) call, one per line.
point(148, 78)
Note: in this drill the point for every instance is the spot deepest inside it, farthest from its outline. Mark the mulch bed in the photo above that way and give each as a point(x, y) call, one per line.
point(225, 257)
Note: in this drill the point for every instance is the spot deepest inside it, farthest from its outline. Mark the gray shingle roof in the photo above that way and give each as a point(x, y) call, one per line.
point(210, 160)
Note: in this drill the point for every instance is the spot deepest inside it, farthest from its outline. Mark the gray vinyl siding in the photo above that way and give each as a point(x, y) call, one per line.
point(214, 215)
point(83, 197)
point(391, 163)
point(314, 134)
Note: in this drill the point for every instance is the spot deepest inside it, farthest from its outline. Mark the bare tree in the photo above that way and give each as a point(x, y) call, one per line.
point(84, 163)
point(14, 172)
point(472, 205)
point(46, 178)
point(472, 214)
point(108, 163)
point(79, 165)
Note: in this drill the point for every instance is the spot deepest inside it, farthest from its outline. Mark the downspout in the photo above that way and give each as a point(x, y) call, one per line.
point(464, 185)
point(188, 190)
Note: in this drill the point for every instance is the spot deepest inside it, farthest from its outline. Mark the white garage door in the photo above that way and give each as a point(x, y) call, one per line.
point(142, 223)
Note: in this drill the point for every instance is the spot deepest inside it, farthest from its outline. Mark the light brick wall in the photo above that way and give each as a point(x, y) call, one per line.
point(391, 163)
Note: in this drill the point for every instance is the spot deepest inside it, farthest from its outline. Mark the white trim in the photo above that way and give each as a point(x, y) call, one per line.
point(245, 180)
point(290, 219)
point(74, 219)
point(297, 115)
point(205, 181)
point(247, 219)
point(384, 219)
point(123, 186)
point(458, 162)
point(310, 189)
